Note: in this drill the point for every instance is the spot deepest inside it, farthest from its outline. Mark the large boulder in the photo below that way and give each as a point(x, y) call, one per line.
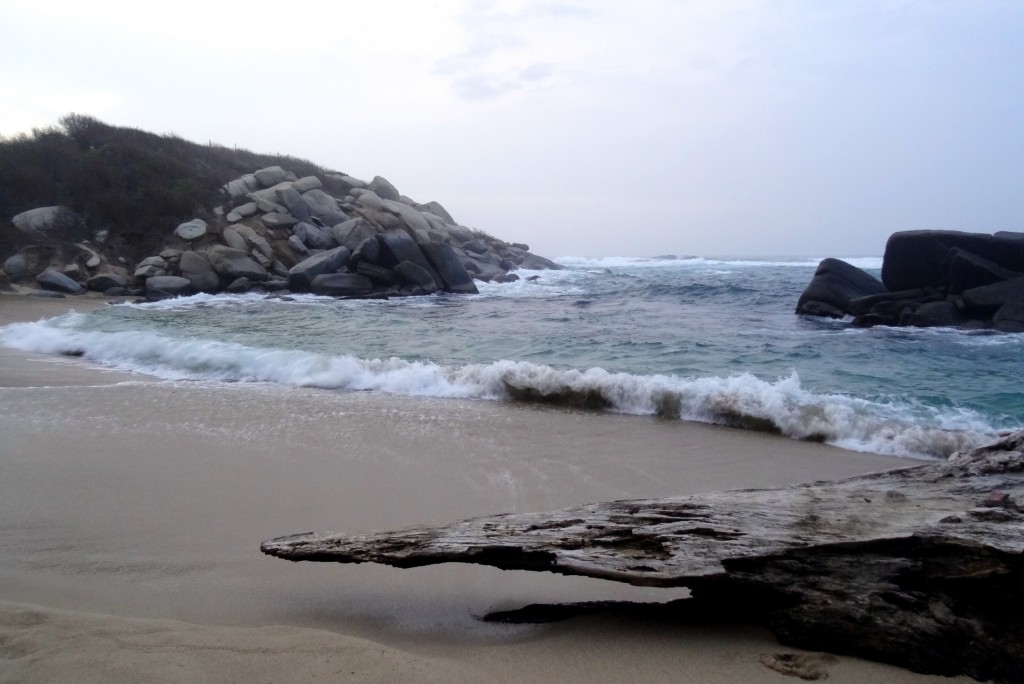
point(302, 274)
point(198, 270)
point(240, 187)
point(1009, 317)
point(922, 258)
point(341, 284)
point(932, 314)
point(16, 267)
point(446, 262)
point(278, 219)
point(324, 207)
point(384, 189)
point(351, 233)
point(989, 298)
point(101, 282)
point(436, 209)
point(191, 230)
point(348, 183)
point(968, 270)
point(411, 221)
point(314, 237)
point(271, 176)
point(835, 284)
point(291, 199)
point(233, 239)
point(55, 281)
point(307, 183)
point(398, 247)
point(48, 222)
point(164, 287)
point(415, 275)
point(233, 263)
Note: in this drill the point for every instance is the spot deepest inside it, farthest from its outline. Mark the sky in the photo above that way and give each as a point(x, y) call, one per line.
point(597, 128)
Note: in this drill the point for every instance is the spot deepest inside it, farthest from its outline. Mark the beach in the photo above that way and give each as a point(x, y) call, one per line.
point(132, 511)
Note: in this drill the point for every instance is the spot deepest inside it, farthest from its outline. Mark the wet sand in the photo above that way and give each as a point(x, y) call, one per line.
point(133, 509)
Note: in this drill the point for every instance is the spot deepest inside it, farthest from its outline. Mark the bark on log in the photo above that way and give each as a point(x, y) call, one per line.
point(921, 567)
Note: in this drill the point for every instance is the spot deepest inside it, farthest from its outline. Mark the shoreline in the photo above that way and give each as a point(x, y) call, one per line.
point(132, 505)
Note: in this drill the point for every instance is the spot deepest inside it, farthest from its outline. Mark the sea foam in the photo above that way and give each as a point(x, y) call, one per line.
point(781, 406)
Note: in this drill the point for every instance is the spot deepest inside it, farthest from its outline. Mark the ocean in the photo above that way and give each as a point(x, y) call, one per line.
point(697, 339)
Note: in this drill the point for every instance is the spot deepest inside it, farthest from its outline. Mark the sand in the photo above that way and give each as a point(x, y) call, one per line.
point(131, 512)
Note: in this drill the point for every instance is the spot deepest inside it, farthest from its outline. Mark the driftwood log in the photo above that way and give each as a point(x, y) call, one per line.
point(921, 567)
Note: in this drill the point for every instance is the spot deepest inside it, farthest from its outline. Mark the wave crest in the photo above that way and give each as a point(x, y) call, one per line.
point(783, 406)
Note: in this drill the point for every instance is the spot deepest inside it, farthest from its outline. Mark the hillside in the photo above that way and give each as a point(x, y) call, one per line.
point(86, 199)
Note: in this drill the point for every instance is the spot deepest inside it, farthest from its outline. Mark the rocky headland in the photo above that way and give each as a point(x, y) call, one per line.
point(268, 231)
point(929, 278)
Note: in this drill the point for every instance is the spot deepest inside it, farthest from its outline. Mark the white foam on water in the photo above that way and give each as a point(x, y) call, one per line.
point(895, 427)
point(575, 262)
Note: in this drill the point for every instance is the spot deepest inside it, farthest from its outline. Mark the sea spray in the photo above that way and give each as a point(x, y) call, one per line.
point(782, 406)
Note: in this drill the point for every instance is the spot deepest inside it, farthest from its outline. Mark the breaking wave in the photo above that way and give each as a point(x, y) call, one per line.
point(896, 426)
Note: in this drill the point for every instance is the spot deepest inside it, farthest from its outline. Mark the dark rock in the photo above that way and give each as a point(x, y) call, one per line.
point(985, 301)
point(341, 285)
point(101, 282)
point(967, 271)
point(164, 287)
point(454, 276)
point(398, 247)
point(475, 246)
point(314, 237)
point(835, 284)
point(413, 274)
point(198, 270)
point(933, 314)
point(5, 282)
point(277, 219)
point(239, 286)
point(813, 307)
point(301, 275)
point(115, 292)
point(921, 258)
point(506, 278)
point(368, 251)
point(292, 200)
point(234, 263)
point(532, 262)
point(56, 281)
point(870, 320)
point(16, 268)
point(378, 274)
point(275, 285)
point(863, 305)
point(1009, 317)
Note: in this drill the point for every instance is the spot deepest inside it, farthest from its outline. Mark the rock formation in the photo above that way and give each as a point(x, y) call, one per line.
point(336, 236)
point(929, 278)
point(921, 567)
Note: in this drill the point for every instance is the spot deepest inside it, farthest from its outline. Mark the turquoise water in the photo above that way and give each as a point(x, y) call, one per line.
point(693, 339)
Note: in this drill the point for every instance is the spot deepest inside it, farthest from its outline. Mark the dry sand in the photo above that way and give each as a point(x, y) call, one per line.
point(133, 510)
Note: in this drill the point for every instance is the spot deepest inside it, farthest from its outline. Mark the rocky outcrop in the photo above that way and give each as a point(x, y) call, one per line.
point(921, 567)
point(929, 278)
point(278, 231)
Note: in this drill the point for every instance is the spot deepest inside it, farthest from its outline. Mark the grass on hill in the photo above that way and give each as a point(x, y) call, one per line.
point(137, 185)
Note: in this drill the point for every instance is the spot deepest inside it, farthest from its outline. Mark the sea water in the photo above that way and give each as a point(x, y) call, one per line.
point(712, 340)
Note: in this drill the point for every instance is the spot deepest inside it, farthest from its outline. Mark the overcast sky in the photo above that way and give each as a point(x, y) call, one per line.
point(709, 127)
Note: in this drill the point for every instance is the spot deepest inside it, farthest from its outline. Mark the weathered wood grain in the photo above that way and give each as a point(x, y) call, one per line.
point(921, 566)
